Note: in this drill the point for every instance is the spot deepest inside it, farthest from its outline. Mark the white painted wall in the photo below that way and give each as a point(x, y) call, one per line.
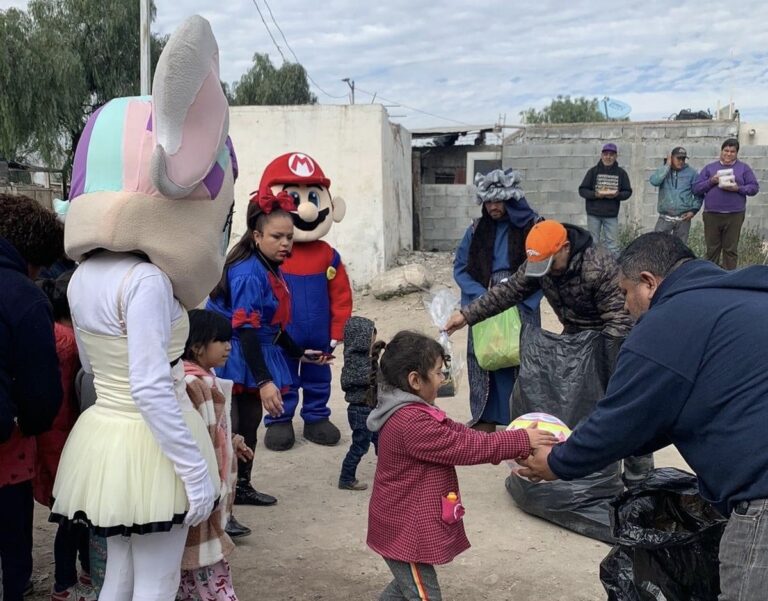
point(366, 158)
point(758, 138)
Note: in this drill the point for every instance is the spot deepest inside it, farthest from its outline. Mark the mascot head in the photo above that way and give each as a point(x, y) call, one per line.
point(156, 174)
point(300, 176)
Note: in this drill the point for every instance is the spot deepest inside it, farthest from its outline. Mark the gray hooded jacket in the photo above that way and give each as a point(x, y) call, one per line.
point(390, 400)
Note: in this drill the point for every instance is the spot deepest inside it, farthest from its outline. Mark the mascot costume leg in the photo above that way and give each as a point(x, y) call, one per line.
point(321, 296)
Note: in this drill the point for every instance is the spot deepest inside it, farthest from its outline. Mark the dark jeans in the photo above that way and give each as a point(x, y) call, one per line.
point(362, 438)
point(71, 540)
point(744, 553)
point(16, 510)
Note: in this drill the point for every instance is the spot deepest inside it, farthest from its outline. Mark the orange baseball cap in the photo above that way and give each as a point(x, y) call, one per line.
point(542, 243)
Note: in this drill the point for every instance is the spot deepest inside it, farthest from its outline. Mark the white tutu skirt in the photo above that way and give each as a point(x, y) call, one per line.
point(114, 478)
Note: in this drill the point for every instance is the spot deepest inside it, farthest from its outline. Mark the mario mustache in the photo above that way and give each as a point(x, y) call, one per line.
point(308, 226)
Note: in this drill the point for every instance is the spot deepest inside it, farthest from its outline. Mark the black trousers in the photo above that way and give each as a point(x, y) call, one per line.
point(16, 511)
point(246, 417)
point(71, 540)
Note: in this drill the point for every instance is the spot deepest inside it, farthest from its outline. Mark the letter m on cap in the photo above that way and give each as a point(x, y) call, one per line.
point(301, 165)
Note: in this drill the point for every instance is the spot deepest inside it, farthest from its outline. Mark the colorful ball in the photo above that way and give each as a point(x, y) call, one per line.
point(543, 421)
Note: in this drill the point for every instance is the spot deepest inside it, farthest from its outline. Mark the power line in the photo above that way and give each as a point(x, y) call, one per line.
point(263, 20)
point(411, 108)
point(271, 14)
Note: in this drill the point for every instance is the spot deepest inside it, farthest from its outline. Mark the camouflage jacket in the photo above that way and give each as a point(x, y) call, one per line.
point(585, 297)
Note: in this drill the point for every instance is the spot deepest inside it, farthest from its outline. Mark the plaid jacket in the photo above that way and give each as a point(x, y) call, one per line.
point(418, 449)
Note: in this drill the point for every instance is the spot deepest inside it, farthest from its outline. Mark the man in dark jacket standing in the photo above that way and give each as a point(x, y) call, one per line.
point(691, 374)
point(30, 385)
point(604, 187)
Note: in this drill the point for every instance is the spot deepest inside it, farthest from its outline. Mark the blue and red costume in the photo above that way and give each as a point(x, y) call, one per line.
point(257, 300)
point(321, 300)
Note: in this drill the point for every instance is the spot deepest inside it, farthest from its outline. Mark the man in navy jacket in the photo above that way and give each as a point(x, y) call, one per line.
point(30, 385)
point(691, 373)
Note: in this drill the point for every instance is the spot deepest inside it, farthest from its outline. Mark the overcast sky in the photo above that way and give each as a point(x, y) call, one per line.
point(470, 62)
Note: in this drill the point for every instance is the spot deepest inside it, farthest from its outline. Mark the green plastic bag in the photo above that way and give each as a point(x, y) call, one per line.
point(497, 340)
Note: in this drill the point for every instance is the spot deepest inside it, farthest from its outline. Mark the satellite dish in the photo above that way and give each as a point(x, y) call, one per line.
point(613, 109)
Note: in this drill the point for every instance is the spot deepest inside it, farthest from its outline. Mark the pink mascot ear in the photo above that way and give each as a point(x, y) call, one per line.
point(190, 113)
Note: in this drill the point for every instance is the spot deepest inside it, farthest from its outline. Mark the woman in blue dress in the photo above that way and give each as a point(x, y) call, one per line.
point(492, 249)
point(254, 296)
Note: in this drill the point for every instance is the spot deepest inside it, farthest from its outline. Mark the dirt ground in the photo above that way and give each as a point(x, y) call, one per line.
point(311, 545)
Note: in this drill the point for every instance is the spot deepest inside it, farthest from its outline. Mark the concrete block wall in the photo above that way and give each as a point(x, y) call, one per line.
point(446, 212)
point(553, 160)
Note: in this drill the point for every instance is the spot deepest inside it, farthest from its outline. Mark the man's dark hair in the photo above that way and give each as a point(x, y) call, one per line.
point(32, 230)
point(205, 327)
point(731, 142)
point(656, 252)
point(407, 352)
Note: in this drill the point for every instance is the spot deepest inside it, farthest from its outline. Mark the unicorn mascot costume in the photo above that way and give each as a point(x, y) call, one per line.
point(151, 202)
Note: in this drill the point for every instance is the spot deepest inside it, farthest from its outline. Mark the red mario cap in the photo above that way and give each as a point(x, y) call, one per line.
point(293, 168)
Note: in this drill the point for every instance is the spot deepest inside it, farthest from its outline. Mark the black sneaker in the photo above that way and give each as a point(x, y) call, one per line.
point(235, 529)
point(245, 494)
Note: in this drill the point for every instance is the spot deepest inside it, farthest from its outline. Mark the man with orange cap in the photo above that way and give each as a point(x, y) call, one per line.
point(321, 296)
point(580, 280)
point(578, 277)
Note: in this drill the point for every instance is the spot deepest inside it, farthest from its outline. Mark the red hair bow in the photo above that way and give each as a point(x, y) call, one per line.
point(268, 202)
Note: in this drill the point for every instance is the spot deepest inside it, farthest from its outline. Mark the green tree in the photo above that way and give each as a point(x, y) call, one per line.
point(60, 61)
point(265, 84)
point(563, 109)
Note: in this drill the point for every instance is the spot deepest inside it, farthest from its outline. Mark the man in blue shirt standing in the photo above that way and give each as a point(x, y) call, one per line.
point(690, 374)
point(677, 203)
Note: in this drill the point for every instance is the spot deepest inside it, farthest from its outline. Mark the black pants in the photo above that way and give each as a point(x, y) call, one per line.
point(16, 510)
point(71, 540)
point(246, 417)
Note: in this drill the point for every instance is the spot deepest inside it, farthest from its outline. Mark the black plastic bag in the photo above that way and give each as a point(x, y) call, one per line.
point(668, 539)
point(565, 375)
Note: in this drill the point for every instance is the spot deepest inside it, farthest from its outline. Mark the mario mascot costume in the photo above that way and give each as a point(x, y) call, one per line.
point(321, 296)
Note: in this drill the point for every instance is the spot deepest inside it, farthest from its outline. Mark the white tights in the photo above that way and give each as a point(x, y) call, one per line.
point(144, 567)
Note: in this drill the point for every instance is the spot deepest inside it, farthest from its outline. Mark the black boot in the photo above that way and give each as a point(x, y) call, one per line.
point(279, 436)
point(235, 529)
point(322, 432)
point(245, 494)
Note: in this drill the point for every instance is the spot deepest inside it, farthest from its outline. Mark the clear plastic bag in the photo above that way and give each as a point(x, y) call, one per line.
point(440, 305)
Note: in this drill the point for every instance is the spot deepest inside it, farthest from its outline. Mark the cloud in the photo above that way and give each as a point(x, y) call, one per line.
point(470, 61)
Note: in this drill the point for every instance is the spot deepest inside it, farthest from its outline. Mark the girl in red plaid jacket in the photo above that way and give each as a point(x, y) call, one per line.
point(415, 512)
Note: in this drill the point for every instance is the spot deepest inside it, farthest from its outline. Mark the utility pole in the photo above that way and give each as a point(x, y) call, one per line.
point(144, 48)
point(351, 84)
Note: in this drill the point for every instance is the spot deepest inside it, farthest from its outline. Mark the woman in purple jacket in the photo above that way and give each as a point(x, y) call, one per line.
point(725, 185)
